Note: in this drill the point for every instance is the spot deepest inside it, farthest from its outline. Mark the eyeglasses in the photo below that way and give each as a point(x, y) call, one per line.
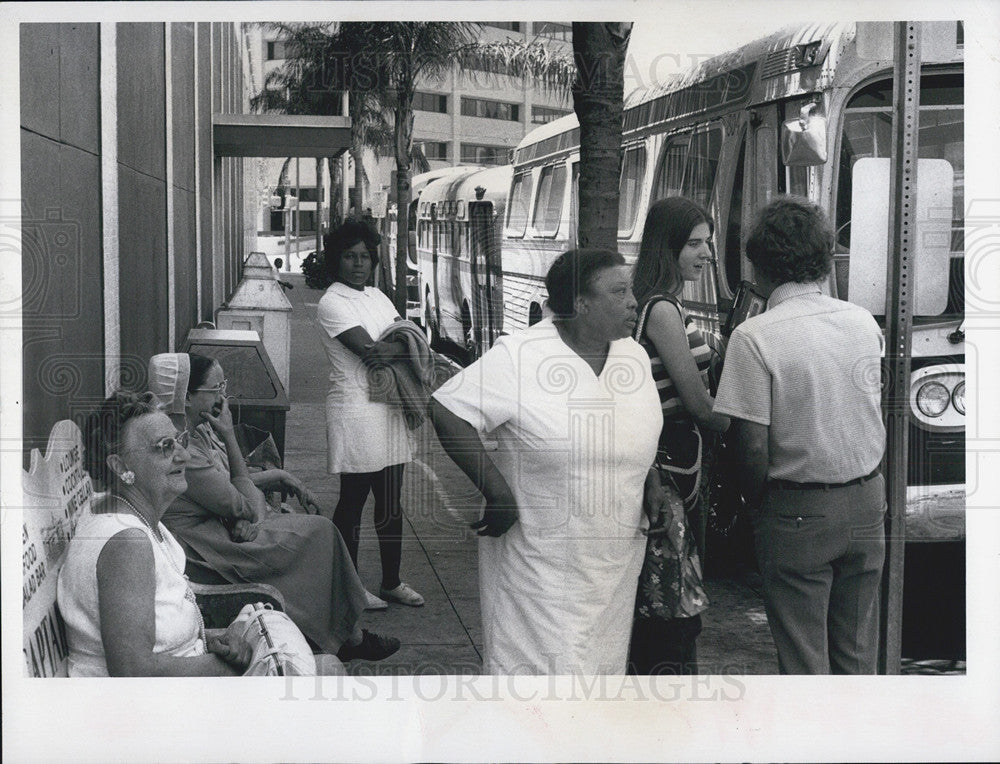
point(219, 389)
point(165, 446)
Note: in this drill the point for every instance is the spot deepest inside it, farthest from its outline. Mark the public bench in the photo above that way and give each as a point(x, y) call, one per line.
point(57, 491)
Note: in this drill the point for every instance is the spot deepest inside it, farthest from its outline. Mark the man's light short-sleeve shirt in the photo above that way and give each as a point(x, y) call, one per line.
point(809, 368)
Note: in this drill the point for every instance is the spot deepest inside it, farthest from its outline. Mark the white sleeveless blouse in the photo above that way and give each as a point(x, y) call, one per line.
point(177, 619)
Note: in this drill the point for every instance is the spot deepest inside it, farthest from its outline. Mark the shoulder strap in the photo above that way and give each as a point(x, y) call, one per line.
point(640, 325)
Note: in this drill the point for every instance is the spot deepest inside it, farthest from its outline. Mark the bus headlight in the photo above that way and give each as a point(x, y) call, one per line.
point(937, 398)
point(958, 398)
point(933, 399)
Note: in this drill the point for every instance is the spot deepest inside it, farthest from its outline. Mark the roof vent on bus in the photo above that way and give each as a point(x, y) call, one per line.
point(791, 59)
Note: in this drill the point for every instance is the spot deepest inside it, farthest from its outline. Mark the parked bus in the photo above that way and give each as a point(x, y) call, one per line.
point(715, 135)
point(459, 219)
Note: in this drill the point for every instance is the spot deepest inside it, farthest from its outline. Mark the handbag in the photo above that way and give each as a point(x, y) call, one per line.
point(279, 648)
point(670, 583)
point(679, 450)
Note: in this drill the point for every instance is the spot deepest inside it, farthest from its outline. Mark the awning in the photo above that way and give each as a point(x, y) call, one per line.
point(280, 135)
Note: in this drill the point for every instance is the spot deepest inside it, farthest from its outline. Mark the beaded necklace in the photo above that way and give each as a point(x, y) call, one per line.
point(189, 593)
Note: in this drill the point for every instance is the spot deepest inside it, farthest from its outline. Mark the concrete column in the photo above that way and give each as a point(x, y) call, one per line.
point(198, 243)
point(168, 97)
point(109, 204)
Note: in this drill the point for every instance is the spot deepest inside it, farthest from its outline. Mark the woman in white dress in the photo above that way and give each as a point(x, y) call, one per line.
point(368, 443)
point(128, 608)
point(572, 404)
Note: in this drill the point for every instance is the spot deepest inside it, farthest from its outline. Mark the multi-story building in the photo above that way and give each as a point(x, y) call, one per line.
point(463, 117)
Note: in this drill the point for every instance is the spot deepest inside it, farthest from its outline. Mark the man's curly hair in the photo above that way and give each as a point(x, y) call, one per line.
point(791, 240)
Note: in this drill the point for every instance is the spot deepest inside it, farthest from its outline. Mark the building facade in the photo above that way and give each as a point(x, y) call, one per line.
point(133, 230)
point(463, 117)
point(469, 117)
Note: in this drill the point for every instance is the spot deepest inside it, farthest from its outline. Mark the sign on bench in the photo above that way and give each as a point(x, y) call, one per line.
point(56, 490)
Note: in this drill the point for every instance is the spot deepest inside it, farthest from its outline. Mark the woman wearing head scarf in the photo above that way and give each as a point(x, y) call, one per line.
point(573, 407)
point(225, 525)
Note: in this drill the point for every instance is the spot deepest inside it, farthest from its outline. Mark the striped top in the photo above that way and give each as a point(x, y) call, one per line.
point(670, 400)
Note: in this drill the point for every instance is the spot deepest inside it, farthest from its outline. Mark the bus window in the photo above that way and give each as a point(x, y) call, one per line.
point(520, 196)
point(633, 170)
point(444, 238)
point(702, 162)
point(867, 132)
point(734, 226)
point(671, 170)
point(549, 201)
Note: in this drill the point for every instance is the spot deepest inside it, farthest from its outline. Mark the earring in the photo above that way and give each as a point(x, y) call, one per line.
point(128, 477)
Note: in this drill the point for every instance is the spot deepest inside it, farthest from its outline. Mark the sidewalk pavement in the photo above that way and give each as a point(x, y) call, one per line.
point(439, 551)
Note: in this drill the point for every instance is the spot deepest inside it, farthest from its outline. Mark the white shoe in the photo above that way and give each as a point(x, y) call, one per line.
point(403, 594)
point(374, 603)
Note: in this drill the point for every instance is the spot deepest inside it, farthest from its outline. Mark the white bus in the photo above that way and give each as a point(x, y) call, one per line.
point(459, 219)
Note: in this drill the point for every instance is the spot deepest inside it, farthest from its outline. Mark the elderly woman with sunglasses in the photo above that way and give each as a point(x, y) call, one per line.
point(128, 608)
point(227, 529)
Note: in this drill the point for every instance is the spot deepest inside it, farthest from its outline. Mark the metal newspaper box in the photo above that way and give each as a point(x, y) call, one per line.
point(256, 395)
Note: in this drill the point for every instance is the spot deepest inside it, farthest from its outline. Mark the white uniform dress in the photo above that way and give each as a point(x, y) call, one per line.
point(558, 589)
point(178, 626)
point(361, 435)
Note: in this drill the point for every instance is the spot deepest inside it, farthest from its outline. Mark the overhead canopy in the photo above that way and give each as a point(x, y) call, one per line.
point(279, 135)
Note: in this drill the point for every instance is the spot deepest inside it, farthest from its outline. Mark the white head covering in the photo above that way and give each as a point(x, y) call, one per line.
point(168, 379)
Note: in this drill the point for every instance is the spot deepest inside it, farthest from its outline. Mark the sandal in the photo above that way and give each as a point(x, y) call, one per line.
point(372, 647)
point(404, 594)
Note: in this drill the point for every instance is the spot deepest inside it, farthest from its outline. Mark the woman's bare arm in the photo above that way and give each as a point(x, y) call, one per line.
point(370, 351)
point(666, 331)
point(126, 592)
point(461, 442)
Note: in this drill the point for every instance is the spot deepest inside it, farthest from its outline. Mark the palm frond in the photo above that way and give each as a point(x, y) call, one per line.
point(419, 160)
point(552, 70)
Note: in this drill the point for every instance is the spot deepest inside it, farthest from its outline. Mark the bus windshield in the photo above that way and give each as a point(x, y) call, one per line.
point(867, 132)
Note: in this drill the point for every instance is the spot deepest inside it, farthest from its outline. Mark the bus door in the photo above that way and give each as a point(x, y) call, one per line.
point(762, 159)
point(487, 297)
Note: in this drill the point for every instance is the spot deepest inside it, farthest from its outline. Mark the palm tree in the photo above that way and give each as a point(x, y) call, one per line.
point(598, 96)
point(314, 78)
point(379, 63)
point(410, 50)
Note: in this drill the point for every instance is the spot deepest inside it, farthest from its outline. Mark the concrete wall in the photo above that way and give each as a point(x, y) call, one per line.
point(132, 233)
point(63, 359)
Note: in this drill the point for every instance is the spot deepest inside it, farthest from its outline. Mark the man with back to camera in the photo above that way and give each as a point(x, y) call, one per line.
point(801, 381)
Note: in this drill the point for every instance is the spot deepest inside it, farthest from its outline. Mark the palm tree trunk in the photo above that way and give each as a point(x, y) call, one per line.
point(336, 191)
point(359, 180)
point(598, 95)
point(319, 204)
point(404, 141)
point(357, 152)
